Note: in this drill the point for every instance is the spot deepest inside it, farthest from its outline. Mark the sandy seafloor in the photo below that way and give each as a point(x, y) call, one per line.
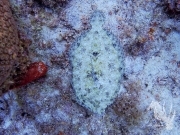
point(149, 98)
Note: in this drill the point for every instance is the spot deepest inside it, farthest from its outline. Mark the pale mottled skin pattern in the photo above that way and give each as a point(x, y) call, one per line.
point(8, 41)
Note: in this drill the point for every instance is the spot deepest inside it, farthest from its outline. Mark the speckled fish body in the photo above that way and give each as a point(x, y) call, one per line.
point(97, 66)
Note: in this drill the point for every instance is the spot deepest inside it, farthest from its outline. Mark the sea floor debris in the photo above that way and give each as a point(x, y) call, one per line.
point(150, 38)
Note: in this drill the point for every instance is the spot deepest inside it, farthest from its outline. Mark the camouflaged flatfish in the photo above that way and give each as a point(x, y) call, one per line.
point(97, 66)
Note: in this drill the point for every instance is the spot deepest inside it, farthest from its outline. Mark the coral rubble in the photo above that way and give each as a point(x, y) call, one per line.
point(151, 69)
point(53, 3)
point(172, 8)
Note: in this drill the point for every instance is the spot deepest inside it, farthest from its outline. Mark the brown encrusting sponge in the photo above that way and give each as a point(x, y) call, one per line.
point(8, 41)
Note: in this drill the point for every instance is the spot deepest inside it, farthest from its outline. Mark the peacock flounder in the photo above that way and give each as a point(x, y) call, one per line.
point(97, 66)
